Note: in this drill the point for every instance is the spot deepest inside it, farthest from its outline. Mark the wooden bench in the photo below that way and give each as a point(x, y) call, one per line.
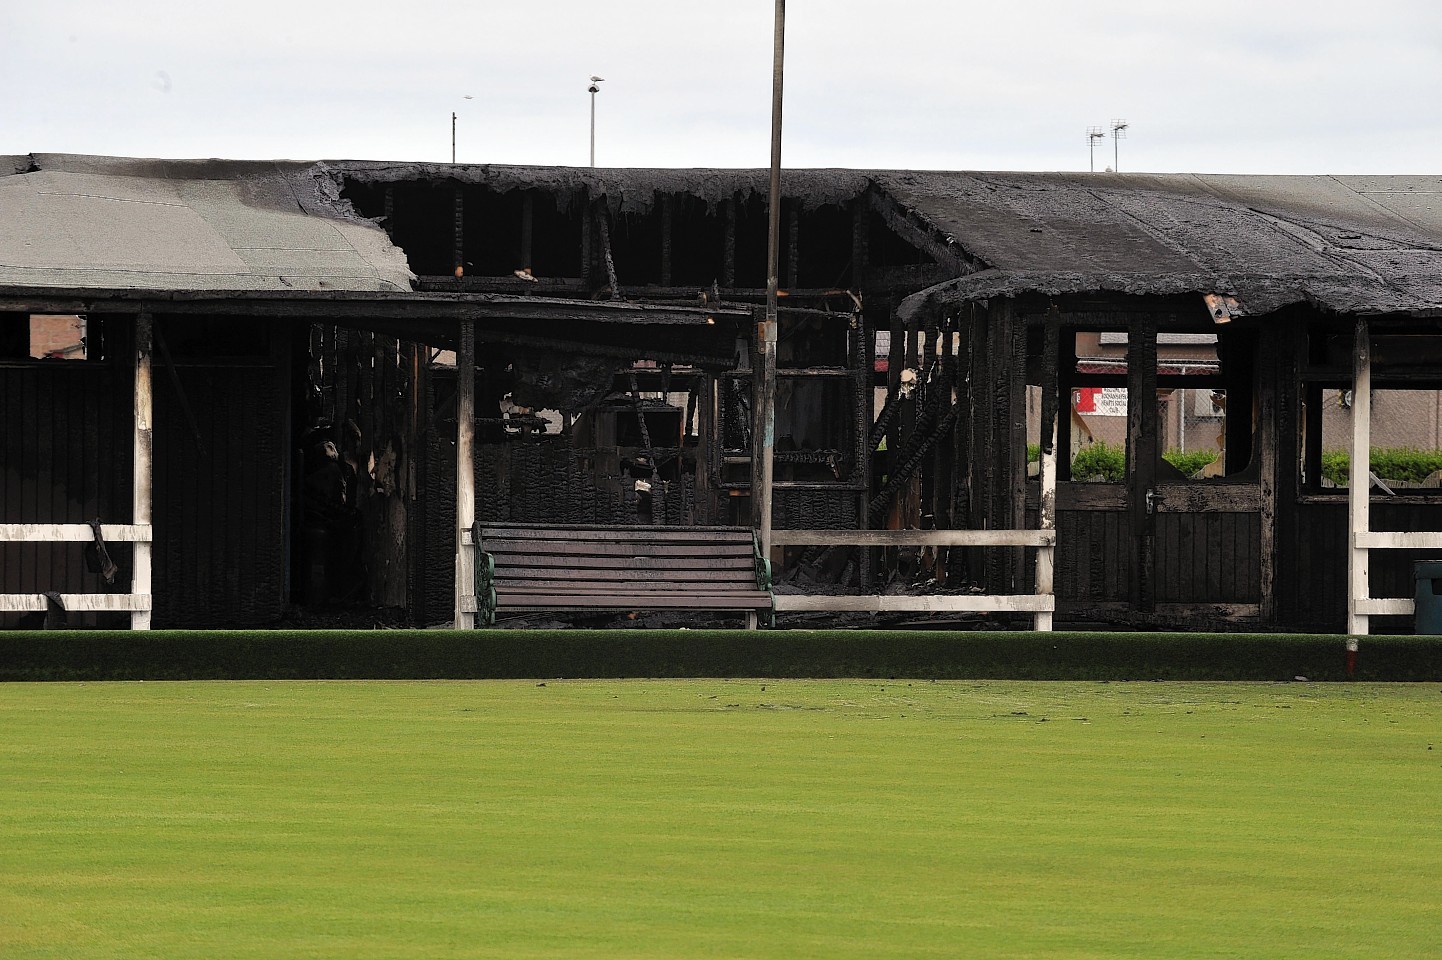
point(588, 568)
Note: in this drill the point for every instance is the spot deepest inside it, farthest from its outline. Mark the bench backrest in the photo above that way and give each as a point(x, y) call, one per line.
point(628, 560)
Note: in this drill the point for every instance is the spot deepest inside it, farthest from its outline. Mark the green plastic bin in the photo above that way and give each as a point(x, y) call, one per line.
point(1428, 574)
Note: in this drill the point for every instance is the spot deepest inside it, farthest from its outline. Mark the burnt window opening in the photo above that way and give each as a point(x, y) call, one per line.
point(45, 336)
point(1405, 426)
point(824, 249)
point(555, 237)
point(752, 227)
point(698, 243)
point(636, 247)
point(1199, 376)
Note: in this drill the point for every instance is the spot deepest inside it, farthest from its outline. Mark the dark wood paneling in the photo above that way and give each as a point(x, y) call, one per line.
point(65, 455)
point(219, 500)
point(1208, 557)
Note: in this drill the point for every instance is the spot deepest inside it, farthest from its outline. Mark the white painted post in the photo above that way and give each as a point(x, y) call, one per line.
point(465, 617)
point(1359, 486)
point(140, 583)
point(1045, 556)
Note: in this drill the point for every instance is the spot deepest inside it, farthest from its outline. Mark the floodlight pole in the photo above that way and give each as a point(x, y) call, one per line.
point(763, 366)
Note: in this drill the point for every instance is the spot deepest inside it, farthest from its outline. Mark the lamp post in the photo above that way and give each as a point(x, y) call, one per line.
point(763, 365)
point(593, 91)
point(453, 129)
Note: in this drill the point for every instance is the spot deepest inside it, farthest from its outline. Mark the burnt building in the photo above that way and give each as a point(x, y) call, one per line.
point(269, 381)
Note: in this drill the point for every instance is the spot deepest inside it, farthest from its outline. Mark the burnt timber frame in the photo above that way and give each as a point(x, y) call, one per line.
point(1250, 549)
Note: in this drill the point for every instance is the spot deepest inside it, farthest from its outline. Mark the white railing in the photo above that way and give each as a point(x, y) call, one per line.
point(1041, 604)
point(132, 602)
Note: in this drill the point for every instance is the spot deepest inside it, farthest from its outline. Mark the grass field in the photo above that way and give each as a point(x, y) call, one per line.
point(720, 819)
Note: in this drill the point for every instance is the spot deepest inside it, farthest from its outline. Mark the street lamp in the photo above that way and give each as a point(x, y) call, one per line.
point(453, 129)
point(593, 91)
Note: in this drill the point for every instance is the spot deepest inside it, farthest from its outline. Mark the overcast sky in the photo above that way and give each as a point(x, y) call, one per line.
point(1246, 86)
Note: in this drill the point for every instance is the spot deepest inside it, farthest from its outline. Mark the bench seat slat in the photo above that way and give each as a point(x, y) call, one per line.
point(513, 581)
point(511, 561)
point(650, 601)
point(682, 579)
point(612, 549)
point(564, 531)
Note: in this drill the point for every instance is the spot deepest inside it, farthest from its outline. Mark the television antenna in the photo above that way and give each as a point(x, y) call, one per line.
point(1093, 135)
point(1119, 130)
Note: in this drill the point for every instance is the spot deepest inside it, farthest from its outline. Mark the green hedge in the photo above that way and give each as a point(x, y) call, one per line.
point(1099, 461)
point(1390, 463)
point(407, 654)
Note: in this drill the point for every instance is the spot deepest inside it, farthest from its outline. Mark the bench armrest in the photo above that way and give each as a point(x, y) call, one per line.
point(763, 565)
point(485, 567)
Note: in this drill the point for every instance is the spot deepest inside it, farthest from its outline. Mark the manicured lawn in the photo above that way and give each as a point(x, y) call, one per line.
point(718, 818)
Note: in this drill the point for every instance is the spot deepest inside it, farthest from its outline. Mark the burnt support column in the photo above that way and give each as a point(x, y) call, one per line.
point(1142, 494)
point(1276, 378)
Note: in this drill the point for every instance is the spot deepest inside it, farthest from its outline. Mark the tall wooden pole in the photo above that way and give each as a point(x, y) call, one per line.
point(141, 485)
point(763, 367)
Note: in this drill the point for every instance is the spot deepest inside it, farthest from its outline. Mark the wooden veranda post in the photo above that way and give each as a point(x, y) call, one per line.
point(1359, 484)
point(465, 476)
point(141, 495)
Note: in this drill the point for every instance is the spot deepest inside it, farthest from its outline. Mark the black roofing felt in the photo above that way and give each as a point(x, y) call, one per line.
point(1352, 245)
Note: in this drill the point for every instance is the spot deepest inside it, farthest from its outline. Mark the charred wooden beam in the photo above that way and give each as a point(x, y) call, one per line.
point(603, 221)
point(458, 231)
point(728, 265)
